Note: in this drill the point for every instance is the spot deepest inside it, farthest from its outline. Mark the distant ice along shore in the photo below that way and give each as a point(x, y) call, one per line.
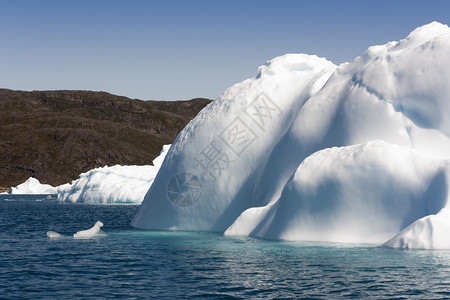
point(106, 185)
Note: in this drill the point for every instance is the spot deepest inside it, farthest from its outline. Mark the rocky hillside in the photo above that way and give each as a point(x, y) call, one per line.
point(56, 135)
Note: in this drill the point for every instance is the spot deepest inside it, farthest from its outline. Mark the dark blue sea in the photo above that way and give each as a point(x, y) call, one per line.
point(134, 264)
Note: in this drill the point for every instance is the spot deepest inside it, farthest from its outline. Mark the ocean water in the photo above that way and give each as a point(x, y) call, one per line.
point(134, 264)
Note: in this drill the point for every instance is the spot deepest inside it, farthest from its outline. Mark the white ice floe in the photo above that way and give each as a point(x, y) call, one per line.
point(306, 150)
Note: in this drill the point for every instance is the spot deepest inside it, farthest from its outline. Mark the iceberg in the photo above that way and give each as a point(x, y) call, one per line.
point(116, 184)
point(307, 150)
point(32, 186)
point(208, 177)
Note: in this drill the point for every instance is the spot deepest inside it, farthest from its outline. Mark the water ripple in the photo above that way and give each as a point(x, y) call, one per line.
point(135, 264)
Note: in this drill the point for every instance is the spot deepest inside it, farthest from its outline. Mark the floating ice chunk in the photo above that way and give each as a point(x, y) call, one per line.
point(95, 231)
point(54, 235)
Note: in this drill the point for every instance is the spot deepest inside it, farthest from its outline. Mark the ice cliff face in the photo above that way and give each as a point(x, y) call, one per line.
point(308, 151)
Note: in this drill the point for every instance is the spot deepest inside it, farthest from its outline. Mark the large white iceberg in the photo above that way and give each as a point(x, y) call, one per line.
point(32, 186)
point(116, 184)
point(209, 175)
point(306, 150)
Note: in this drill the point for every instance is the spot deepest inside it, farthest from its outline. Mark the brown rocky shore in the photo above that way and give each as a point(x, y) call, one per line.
point(56, 135)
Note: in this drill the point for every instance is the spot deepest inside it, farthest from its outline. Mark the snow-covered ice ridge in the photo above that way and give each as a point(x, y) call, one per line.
point(307, 150)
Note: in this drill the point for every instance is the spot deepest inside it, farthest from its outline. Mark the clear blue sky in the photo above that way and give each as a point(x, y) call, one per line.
point(168, 50)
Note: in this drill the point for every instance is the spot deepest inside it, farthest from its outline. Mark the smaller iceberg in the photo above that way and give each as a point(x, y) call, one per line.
point(117, 184)
point(33, 186)
point(95, 231)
